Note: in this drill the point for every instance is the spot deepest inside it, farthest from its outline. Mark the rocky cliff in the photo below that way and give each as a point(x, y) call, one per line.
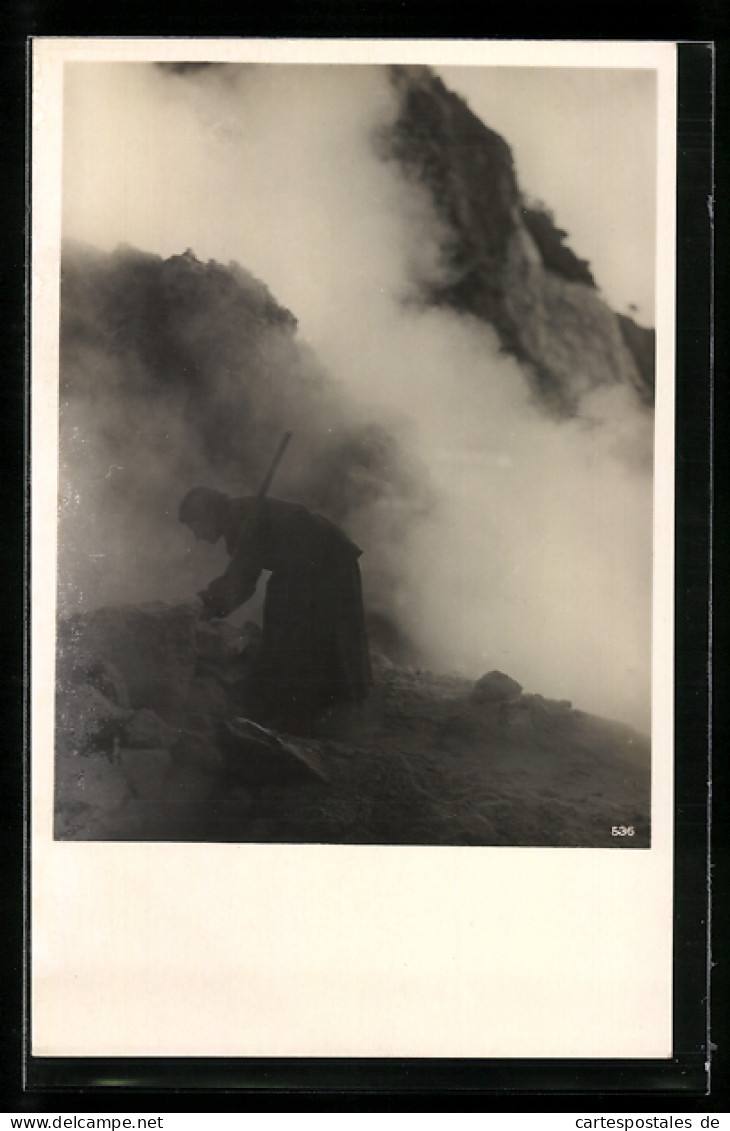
point(506, 262)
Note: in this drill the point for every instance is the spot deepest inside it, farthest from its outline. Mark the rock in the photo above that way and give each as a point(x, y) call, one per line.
point(258, 756)
point(191, 820)
point(227, 656)
point(191, 784)
point(207, 697)
point(556, 706)
point(197, 769)
point(252, 635)
point(548, 711)
point(146, 730)
point(191, 722)
point(517, 716)
point(86, 788)
point(198, 751)
point(495, 687)
point(151, 645)
point(106, 678)
point(507, 264)
point(261, 830)
point(145, 771)
point(217, 641)
point(87, 720)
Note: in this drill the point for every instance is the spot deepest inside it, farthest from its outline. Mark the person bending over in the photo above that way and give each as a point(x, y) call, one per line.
point(315, 651)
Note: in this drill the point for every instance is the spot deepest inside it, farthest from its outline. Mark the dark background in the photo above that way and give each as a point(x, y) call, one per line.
point(678, 1085)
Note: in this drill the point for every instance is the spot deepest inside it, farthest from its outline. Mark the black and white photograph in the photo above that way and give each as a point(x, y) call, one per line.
point(356, 449)
point(356, 469)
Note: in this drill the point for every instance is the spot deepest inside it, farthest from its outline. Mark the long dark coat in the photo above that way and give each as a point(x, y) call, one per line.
point(315, 650)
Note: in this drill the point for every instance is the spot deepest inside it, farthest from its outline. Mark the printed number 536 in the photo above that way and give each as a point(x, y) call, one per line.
point(623, 830)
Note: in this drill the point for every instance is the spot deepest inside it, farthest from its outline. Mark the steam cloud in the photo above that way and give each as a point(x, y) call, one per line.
point(494, 535)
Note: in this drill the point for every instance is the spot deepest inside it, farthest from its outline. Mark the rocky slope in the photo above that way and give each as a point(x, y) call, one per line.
point(153, 744)
point(506, 262)
point(201, 355)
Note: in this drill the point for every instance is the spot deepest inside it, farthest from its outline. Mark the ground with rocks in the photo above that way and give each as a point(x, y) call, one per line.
point(153, 743)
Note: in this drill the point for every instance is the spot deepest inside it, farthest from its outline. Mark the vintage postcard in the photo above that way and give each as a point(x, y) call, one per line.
point(353, 402)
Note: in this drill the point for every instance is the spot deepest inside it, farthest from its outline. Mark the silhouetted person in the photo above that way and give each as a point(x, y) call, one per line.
point(315, 652)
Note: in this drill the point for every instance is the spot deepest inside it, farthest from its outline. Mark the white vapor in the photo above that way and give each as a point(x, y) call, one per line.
point(537, 559)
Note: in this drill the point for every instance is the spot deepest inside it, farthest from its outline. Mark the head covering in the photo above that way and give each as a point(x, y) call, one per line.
point(201, 502)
